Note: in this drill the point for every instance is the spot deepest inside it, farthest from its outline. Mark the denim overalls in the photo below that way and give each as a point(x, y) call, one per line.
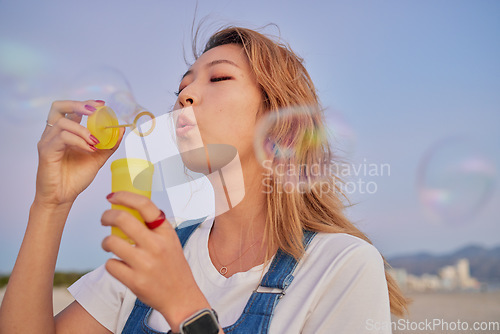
point(259, 309)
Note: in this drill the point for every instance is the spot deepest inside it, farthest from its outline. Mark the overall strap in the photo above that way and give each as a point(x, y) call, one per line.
point(137, 320)
point(279, 275)
point(259, 310)
point(187, 228)
point(257, 314)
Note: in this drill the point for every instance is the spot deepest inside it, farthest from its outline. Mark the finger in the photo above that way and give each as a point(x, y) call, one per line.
point(103, 154)
point(65, 124)
point(121, 271)
point(60, 108)
point(164, 228)
point(146, 208)
point(65, 139)
point(74, 117)
point(126, 222)
point(114, 148)
point(123, 249)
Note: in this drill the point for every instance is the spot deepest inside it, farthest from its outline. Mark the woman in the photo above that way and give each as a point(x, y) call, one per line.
point(239, 265)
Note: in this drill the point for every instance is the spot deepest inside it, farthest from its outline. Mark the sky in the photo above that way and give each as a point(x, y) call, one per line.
point(410, 86)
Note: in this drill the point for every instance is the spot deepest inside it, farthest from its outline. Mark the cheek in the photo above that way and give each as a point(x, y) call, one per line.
point(233, 118)
point(243, 116)
point(231, 130)
point(246, 108)
point(236, 116)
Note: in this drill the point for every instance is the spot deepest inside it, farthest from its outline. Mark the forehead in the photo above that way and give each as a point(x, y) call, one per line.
point(231, 52)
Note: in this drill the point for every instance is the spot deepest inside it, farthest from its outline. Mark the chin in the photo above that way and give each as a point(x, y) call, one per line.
point(209, 158)
point(196, 160)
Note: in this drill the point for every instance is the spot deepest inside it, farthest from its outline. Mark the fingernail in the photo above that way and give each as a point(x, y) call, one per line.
point(110, 195)
point(94, 139)
point(100, 101)
point(93, 148)
point(90, 108)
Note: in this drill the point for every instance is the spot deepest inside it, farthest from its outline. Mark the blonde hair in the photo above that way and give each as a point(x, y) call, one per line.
point(285, 82)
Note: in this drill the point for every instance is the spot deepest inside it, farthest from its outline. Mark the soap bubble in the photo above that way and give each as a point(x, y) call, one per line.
point(124, 104)
point(108, 84)
point(19, 59)
point(25, 102)
point(455, 180)
point(341, 135)
point(27, 89)
point(97, 84)
point(292, 144)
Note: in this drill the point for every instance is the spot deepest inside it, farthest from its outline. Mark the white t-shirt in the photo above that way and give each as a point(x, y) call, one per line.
point(339, 287)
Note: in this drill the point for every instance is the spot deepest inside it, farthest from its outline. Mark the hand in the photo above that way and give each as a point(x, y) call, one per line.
point(155, 269)
point(68, 159)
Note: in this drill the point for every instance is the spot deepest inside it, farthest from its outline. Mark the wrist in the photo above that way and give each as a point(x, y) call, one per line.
point(56, 212)
point(205, 321)
point(175, 320)
point(185, 308)
point(40, 204)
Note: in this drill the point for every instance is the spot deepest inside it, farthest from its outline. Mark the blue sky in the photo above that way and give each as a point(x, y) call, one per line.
point(403, 74)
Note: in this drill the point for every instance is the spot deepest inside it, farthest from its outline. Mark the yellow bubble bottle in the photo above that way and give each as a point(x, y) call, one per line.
point(134, 175)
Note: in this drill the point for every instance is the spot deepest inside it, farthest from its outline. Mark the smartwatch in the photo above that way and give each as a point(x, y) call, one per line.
point(204, 321)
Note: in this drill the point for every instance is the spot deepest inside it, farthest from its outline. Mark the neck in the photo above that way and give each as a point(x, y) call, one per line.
point(240, 204)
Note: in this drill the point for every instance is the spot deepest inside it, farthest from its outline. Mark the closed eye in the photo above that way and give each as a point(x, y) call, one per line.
point(217, 79)
point(179, 91)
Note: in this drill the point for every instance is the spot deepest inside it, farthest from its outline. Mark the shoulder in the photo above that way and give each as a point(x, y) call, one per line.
point(330, 253)
point(337, 263)
point(337, 246)
point(103, 297)
point(98, 278)
point(341, 282)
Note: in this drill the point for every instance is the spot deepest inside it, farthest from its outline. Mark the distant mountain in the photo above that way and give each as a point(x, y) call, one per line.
point(484, 262)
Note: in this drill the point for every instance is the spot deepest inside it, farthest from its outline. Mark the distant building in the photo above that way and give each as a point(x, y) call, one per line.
point(426, 282)
point(465, 281)
point(456, 277)
point(449, 277)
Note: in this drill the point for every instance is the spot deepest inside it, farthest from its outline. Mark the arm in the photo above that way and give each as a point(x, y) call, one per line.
point(74, 319)
point(68, 163)
point(155, 268)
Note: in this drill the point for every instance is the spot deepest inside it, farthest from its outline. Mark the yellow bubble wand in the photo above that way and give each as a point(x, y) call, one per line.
point(104, 125)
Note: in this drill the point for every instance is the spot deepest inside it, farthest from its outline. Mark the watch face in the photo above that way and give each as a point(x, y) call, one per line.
point(202, 323)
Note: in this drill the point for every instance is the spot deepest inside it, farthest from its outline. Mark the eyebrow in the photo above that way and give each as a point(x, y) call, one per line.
point(213, 63)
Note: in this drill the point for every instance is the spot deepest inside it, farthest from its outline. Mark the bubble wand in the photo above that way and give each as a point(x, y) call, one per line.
point(104, 125)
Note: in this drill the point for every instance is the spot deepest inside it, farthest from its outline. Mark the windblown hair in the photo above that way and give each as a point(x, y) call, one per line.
point(285, 83)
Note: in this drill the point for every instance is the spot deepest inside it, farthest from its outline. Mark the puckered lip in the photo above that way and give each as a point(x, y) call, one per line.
point(183, 121)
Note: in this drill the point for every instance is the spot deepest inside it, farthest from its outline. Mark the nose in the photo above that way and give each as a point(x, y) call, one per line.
point(187, 97)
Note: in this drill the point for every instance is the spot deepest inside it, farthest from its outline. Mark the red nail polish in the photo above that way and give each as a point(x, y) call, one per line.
point(110, 195)
point(93, 148)
point(94, 139)
point(90, 108)
point(100, 101)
